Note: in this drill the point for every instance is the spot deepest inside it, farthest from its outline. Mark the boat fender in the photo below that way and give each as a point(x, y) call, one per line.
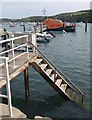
point(64, 31)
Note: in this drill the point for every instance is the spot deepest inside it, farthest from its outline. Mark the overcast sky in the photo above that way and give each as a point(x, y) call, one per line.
point(26, 8)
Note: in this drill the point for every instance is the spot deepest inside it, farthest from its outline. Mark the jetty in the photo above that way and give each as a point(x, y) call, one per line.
point(22, 54)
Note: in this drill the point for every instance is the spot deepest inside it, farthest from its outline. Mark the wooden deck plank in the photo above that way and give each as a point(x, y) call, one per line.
point(21, 64)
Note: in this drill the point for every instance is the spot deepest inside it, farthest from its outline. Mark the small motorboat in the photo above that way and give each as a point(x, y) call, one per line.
point(12, 25)
point(43, 37)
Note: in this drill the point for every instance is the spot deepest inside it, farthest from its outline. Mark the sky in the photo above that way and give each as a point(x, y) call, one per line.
point(26, 8)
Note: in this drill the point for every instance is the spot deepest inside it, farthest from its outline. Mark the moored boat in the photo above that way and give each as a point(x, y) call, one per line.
point(12, 24)
point(58, 25)
point(43, 37)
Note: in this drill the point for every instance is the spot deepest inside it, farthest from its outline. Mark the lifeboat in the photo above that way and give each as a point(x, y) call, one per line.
point(58, 25)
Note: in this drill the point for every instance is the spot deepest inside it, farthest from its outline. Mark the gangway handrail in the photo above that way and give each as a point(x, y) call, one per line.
point(57, 69)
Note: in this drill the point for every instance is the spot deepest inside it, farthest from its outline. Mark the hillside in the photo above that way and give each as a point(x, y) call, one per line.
point(84, 15)
point(79, 16)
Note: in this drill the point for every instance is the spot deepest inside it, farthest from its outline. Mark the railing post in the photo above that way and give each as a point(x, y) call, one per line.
point(34, 42)
point(8, 87)
point(27, 47)
point(13, 54)
point(82, 100)
point(26, 83)
point(86, 26)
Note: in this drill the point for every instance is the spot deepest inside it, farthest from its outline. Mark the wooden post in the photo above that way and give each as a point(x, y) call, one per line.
point(23, 26)
point(26, 83)
point(86, 26)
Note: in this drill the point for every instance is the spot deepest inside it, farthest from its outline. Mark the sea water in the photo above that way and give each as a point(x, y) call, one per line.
point(70, 52)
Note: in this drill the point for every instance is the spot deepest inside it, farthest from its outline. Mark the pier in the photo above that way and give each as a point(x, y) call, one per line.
point(17, 61)
point(23, 53)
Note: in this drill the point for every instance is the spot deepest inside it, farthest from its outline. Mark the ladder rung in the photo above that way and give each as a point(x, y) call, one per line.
point(58, 82)
point(54, 77)
point(43, 66)
point(58, 79)
point(69, 92)
point(38, 61)
point(3, 96)
point(48, 71)
point(73, 96)
point(63, 87)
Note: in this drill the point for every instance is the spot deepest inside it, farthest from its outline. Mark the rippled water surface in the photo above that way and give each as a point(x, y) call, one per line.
point(70, 52)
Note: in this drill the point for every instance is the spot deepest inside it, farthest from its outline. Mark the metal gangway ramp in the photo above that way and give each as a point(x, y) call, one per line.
point(56, 78)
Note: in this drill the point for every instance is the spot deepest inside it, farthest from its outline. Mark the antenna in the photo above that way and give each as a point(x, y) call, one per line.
point(44, 11)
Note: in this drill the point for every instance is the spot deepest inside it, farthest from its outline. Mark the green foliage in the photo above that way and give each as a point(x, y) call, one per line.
point(79, 16)
point(84, 15)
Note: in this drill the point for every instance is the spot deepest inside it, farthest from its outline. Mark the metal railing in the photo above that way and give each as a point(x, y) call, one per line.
point(8, 96)
point(15, 46)
point(67, 80)
point(4, 61)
